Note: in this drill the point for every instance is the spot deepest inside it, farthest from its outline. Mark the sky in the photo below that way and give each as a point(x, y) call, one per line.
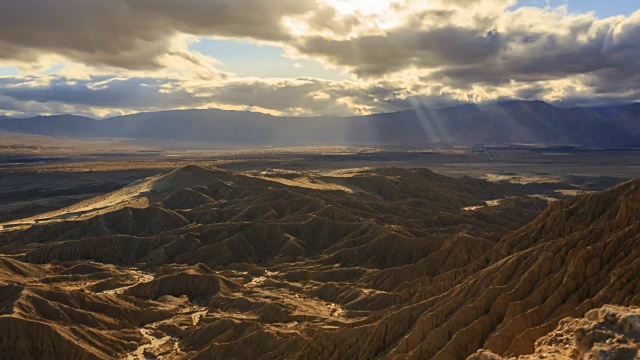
point(313, 57)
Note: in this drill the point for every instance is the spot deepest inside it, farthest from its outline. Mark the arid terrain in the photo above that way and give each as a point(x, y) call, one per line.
point(317, 255)
point(319, 180)
point(52, 173)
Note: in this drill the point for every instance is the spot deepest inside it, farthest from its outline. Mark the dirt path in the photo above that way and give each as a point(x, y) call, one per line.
point(161, 346)
point(141, 277)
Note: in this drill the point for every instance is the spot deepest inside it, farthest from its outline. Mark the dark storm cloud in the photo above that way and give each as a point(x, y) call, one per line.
point(132, 33)
point(401, 48)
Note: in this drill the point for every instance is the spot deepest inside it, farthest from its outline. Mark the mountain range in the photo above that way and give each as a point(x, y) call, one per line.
point(522, 122)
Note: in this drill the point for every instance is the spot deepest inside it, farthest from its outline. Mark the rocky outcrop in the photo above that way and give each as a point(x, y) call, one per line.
point(198, 283)
point(610, 332)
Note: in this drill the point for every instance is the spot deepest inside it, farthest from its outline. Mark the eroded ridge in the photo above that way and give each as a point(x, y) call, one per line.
point(201, 263)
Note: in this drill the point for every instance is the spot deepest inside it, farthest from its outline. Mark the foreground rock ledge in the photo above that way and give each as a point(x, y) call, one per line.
point(608, 333)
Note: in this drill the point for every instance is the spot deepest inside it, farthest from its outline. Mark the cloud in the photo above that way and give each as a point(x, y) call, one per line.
point(492, 52)
point(602, 56)
point(129, 93)
point(133, 34)
point(103, 95)
point(134, 55)
point(528, 44)
point(403, 48)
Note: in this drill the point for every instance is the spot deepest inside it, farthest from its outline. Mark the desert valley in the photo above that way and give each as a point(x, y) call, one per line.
point(319, 179)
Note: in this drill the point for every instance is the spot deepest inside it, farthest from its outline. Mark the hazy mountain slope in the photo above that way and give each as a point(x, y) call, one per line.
point(58, 125)
point(512, 122)
point(507, 122)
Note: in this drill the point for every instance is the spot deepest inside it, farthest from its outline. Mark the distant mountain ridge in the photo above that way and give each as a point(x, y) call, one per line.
point(508, 122)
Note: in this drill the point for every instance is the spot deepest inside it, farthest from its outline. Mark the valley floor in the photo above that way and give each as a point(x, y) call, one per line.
point(48, 177)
